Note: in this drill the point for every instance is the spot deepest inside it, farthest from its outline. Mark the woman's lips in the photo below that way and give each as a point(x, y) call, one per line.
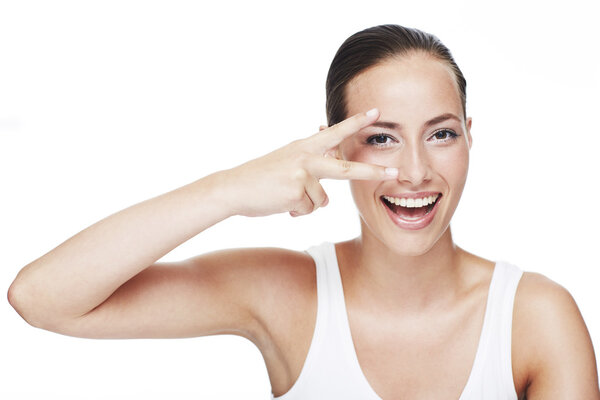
point(405, 222)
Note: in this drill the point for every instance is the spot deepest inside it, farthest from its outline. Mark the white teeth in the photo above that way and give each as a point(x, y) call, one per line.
point(428, 200)
point(411, 202)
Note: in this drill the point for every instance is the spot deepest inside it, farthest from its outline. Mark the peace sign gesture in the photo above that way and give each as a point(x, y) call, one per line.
point(287, 179)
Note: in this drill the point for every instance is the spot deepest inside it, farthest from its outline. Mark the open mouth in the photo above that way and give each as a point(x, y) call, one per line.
point(411, 209)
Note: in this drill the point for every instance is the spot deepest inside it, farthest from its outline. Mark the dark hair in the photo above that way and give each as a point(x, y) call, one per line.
point(373, 45)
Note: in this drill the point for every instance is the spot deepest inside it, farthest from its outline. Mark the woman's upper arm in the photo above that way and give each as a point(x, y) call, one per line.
point(563, 363)
point(208, 294)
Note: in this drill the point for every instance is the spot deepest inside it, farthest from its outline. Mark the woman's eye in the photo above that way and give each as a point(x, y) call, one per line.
point(380, 140)
point(444, 135)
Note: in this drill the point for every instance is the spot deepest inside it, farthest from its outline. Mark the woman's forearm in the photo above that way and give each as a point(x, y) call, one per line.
point(86, 269)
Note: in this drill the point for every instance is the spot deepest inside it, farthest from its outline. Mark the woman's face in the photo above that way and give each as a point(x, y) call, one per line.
point(422, 132)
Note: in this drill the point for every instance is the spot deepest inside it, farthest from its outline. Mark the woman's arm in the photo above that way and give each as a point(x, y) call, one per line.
point(561, 356)
point(81, 273)
point(103, 278)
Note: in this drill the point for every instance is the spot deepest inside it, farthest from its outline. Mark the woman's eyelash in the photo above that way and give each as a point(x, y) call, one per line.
point(449, 135)
point(380, 139)
point(383, 140)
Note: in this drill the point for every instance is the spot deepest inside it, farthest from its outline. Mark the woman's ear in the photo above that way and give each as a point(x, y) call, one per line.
point(469, 137)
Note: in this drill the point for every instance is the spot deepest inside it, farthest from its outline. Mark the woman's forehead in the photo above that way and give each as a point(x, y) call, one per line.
point(410, 87)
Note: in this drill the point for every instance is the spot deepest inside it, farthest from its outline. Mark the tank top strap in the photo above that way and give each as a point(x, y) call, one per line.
point(306, 379)
point(501, 329)
point(330, 369)
point(492, 370)
point(325, 297)
point(339, 342)
point(332, 330)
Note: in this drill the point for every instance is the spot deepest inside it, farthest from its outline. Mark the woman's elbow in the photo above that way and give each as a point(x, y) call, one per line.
point(22, 299)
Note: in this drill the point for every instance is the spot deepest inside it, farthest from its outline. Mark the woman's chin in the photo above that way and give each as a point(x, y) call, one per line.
point(407, 243)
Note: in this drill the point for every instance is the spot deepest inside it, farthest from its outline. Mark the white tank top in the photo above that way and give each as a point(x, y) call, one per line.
point(331, 369)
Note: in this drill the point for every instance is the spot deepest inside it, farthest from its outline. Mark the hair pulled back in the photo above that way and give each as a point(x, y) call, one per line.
point(373, 45)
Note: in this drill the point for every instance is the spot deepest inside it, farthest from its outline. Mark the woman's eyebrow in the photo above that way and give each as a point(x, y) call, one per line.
point(431, 122)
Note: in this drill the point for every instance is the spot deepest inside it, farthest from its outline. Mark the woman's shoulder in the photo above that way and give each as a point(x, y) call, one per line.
point(280, 286)
point(548, 328)
point(266, 279)
point(282, 270)
point(257, 259)
point(272, 271)
point(267, 269)
point(542, 301)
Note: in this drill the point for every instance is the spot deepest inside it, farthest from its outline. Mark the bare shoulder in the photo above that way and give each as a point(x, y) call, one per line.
point(279, 288)
point(255, 261)
point(552, 347)
point(264, 272)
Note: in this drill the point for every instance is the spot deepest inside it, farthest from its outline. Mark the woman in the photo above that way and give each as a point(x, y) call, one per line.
point(398, 312)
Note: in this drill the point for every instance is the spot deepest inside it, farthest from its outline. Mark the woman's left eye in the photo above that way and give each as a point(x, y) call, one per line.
point(443, 135)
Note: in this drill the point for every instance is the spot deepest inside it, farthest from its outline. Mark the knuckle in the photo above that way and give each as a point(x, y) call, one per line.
point(301, 174)
point(346, 166)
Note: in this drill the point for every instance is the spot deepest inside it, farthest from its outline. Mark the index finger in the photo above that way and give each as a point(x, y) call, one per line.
point(334, 135)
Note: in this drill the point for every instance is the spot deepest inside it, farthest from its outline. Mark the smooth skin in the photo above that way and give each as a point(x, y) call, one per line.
point(425, 294)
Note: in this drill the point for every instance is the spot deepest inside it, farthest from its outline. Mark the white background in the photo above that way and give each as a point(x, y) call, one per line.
point(105, 104)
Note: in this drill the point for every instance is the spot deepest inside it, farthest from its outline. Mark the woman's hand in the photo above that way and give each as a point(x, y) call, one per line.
point(287, 179)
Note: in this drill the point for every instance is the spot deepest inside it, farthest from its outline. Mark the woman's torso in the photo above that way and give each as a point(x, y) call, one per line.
point(428, 357)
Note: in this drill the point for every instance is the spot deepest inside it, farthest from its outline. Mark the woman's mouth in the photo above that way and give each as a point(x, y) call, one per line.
point(414, 211)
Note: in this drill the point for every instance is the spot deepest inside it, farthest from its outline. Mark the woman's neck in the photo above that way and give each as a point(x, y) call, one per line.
point(380, 277)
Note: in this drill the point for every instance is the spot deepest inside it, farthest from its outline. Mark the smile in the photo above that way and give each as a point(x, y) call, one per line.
point(412, 211)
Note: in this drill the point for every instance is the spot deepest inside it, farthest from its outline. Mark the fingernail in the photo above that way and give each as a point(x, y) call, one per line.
point(391, 171)
point(373, 112)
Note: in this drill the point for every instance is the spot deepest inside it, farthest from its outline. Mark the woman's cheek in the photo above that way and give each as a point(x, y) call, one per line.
point(374, 158)
point(456, 164)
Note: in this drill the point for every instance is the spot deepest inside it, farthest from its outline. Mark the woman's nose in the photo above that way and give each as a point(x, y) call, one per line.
point(414, 166)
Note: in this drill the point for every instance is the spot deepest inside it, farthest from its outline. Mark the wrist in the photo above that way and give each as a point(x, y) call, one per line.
point(221, 191)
